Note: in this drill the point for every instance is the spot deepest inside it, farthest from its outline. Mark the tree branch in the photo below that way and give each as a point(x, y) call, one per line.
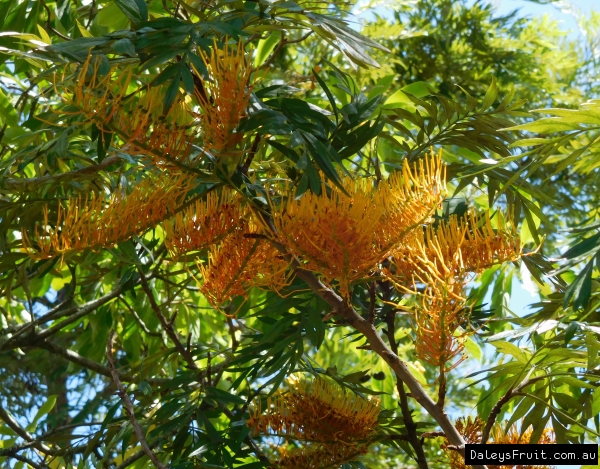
point(49, 26)
point(409, 423)
point(25, 183)
point(139, 320)
point(14, 426)
point(128, 405)
point(362, 325)
point(186, 354)
point(498, 407)
point(28, 461)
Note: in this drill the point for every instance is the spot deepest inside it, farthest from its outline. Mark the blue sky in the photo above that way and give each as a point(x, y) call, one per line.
point(527, 8)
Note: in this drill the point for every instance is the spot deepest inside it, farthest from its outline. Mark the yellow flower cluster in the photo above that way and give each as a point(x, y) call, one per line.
point(344, 237)
point(440, 258)
point(471, 431)
point(238, 263)
point(103, 222)
point(204, 223)
point(333, 425)
point(225, 96)
point(138, 117)
point(318, 456)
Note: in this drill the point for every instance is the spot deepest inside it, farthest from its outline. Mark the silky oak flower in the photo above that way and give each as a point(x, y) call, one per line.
point(204, 223)
point(241, 261)
point(317, 411)
point(102, 222)
point(318, 456)
point(434, 264)
point(138, 116)
point(471, 431)
point(343, 237)
point(225, 97)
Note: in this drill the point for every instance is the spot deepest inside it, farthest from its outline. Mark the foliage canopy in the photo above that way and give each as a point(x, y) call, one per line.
point(251, 234)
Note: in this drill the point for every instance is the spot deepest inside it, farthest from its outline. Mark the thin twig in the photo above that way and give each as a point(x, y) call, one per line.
point(28, 461)
point(234, 341)
point(186, 354)
point(373, 297)
point(88, 364)
point(251, 154)
point(409, 423)
point(49, 26)
point(138, 319)
point(128, 405)
point(498, 407)
point(442, 389)
point(14, 426)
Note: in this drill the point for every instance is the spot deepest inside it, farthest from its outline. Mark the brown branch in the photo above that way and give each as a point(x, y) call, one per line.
point(128, 405)
point(378, 346)
point(139, 320)
point(234, 341)
point(135, 456)
point(86, 363)
point(11, 451)
point(49, 26)
point(23, 183)
point(14, 426)
point(409, 423)
point(498, 407)
point(362, 325)
point(186, 354)
point(442, 389)
point(28, 461)
point(58, 311)
point(407, 437)
point(251, 154)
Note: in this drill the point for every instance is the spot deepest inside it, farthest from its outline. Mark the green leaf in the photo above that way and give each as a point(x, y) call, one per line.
point(327, 92)
point(548, 125)
point(265, 47)
point(223, 397)
point(490, 95)
point(43, 410)
point(596, 402)
point(511, 349)
point(313, 324)
point(135, 10)
point(172, 92)
point(8, 114)
point(583, 247)
point(581, 288)
point(570, 332)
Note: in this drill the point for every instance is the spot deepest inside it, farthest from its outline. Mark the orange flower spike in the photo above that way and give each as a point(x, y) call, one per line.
point(98, 223)
point(239, 263)
point(204, 223)
point(410, 196)
point(228, 95)
point(333, 234)
point(319, 456)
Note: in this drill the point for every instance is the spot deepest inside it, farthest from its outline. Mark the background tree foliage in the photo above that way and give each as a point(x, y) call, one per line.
point(508, 100)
